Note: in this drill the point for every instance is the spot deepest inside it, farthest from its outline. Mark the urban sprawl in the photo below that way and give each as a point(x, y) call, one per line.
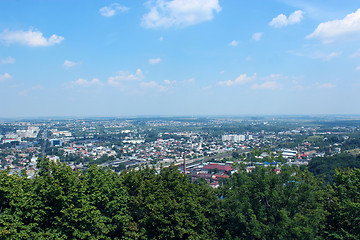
point(209, 147)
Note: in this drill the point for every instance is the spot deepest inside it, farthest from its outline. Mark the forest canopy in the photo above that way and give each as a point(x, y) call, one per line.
point(59, 203)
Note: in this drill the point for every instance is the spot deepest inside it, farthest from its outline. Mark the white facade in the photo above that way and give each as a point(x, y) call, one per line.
point(233, 138)
point(288, 153)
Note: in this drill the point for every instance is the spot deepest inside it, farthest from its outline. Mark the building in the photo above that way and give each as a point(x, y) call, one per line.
point(218, 168)
point(56, 142)
point(288, 153)
point(233, 138)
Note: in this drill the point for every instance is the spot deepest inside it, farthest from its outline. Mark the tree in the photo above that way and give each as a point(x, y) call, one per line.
point(168, 206)
point(267, 205)
point(343, 206)
point(326, 167)
point(59, 203)
point(107, 194)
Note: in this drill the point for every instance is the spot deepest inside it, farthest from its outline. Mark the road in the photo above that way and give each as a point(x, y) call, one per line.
point(44, 138)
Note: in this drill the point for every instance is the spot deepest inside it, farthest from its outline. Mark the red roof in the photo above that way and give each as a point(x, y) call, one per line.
point(217, 166)
point(221, 176)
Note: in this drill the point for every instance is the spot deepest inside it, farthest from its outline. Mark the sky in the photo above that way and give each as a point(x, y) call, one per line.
point(104, 58)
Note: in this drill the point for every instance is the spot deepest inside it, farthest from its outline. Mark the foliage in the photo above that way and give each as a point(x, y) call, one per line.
point(235, 155)
point(59, 203)
point(353, 142)
point(343, 206)
point(168, 206)
point(120, 167)
point(267, 205)
point(325, 167)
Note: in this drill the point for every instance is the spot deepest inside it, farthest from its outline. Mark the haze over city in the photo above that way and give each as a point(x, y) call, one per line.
point(179, 57)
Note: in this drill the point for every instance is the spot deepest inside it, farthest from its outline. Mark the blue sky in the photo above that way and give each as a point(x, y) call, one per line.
point(179, 57)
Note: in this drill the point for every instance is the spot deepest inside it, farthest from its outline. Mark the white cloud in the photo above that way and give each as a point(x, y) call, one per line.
point(272, 85)
point(4, 77)
point(357, 68)
point(327, 56)
point(329, 31)
point(169, 82)
point(242, 79)
point(70, 64)
point(8, 60)
point(282, 20)
point(112, 10)
point(295, 17)
point(257, 36)
point(125, 76)
point(29, 38)
point(154, 60)
point(154, 85)
point(161, 38)
point(276, 76)
point(85, 83)
point(234, 43)
point(332, 55)
point(179, 13)
point(326, 85)
point(270, 82)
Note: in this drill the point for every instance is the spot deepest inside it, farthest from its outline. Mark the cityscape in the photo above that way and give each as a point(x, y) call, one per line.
point(204, 144)
point(179, 119)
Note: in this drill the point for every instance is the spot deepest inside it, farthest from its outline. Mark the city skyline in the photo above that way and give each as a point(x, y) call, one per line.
point(179, 57)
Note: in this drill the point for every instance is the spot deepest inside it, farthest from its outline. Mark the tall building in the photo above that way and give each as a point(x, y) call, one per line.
point(233, 138)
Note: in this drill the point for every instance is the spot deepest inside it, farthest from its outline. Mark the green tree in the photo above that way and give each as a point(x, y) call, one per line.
point(343, 206)
point(107, 194)
point(168, 206)
point(267, 205)
point(325, 167)
point(235, 155)
point(59, 203)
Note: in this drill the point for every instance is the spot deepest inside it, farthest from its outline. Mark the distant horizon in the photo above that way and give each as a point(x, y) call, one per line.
point(265, 116)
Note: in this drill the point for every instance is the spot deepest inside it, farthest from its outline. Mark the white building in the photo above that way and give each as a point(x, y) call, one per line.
point(288, 153)
point(233, 138)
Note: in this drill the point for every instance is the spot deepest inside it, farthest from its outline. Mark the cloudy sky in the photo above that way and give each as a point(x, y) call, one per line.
point(179, 57)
